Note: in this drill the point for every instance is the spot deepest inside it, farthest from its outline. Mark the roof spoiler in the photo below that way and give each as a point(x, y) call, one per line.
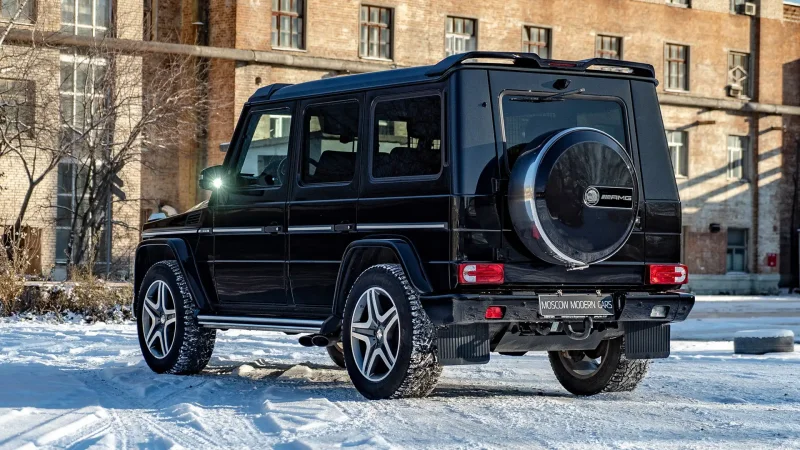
point(266, 92)
point(533, 60)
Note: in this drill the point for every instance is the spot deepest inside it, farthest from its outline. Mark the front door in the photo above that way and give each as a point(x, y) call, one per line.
point(249, 226)
point(322, 207)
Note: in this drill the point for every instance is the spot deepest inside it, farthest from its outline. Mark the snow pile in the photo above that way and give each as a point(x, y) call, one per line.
point(764, 334)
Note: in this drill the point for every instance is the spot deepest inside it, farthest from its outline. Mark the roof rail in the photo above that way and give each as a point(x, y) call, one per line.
point(266, 92)
point(533, 60)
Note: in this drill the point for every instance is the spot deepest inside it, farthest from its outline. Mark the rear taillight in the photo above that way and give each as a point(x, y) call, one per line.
point(668, 274)
point(481, 273)
point(495, 312)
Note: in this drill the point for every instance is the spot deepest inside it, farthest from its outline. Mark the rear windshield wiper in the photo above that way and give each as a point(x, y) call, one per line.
point(557, 97)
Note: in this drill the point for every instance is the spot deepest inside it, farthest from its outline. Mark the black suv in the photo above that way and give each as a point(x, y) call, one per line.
point(421, 217)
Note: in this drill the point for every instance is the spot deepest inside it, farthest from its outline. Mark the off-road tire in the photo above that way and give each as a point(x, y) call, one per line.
point(193, 344)
point(417, 369)
point(336, 354)
point(616, 374)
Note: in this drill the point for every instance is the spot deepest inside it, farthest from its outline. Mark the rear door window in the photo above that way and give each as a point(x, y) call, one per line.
point(330, 141)
point(528, 119)
point(408, 137)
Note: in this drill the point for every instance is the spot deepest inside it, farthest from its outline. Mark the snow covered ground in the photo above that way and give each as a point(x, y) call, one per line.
point(85, 386)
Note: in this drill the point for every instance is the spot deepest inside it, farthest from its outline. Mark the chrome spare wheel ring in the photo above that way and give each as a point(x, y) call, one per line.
point(584, 364)
point(159, 319)
point(375, 334)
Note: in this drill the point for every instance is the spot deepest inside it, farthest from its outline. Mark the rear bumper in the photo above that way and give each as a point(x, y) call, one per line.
point(631, 307)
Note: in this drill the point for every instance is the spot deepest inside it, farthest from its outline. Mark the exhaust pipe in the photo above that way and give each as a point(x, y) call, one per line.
point(306, 341)
point(320, 340)
point(314, 340)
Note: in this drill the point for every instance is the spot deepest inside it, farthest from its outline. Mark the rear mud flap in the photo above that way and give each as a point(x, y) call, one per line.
point(463, 344)
point(646, 340)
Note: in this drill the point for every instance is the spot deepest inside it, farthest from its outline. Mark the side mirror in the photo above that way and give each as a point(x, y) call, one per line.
point(212, 178)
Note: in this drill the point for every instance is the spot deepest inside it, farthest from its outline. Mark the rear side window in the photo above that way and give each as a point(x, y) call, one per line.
point(330, 141)
point(526, 120)
point(408, 137)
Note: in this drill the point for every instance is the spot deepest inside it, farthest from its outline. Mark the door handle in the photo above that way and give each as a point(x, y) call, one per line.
point(273, 229)
point(343, 227)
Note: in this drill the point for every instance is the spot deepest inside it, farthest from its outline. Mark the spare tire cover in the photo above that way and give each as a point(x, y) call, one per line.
point(573, 197)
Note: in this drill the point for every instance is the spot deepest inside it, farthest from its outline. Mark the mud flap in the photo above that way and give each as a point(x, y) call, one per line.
point(646, 340)
point(463, 344)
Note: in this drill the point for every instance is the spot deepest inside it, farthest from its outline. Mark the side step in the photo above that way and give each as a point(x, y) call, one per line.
point(261, 323)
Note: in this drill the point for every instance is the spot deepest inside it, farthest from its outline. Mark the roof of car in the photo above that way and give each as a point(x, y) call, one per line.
point(422, 74)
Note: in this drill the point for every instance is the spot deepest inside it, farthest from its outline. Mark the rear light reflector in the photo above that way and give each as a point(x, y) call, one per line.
point(495, 312)
point(481, 273)
point(668, 274)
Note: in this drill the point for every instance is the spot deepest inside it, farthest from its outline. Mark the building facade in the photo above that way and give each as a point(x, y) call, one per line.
point(51, 94)
point(729, 74)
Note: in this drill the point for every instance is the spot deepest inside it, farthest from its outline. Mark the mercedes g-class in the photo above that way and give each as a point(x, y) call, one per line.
point(429, 216)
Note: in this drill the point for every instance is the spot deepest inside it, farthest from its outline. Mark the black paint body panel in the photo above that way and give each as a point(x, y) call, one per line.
point(430, 223)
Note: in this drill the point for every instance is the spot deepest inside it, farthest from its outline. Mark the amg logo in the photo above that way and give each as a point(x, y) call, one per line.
point(626, 198)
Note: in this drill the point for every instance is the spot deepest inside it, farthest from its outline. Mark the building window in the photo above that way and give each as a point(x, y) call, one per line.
point(676, 61)
point(82, 95)
point(738, 151)
point(409, 139)
point(85, 17)
point(737, 5)
point(11, 7)
point(150, 21)
point(459, 36)
point(738, 70)
point(17, 112)
point(681, 3)
point(376, 32)
point(736, 260)
point(609, 47)
point(81, 90)
point(287, 23)
point(679, 152)
point(536, 40)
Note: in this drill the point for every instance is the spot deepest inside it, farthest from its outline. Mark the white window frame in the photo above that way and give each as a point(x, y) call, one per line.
point(456, 42)
point(679, 65)
point(538, 45)
point(738, 150)
point(96, 30)
point(679, 152)
point(742, 81)
point(605, 46)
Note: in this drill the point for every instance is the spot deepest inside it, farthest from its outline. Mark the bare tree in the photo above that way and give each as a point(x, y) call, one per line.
point(91, 115)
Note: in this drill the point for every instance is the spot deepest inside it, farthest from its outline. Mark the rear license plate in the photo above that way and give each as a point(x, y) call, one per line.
point(575, 305)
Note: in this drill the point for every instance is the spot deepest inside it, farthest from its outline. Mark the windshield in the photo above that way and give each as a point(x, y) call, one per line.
point(526, 120)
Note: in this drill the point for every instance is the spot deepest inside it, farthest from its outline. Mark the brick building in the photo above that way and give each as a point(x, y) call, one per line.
point(54, 87)
point(730, 93)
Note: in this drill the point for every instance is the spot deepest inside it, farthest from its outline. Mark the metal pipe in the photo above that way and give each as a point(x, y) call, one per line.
point(725, 104)
point(23, 36)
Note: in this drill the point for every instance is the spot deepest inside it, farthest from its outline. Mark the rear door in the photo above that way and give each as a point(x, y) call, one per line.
point(322, 205)
point(604, 104)
point(407, 192)
point(249, 222)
